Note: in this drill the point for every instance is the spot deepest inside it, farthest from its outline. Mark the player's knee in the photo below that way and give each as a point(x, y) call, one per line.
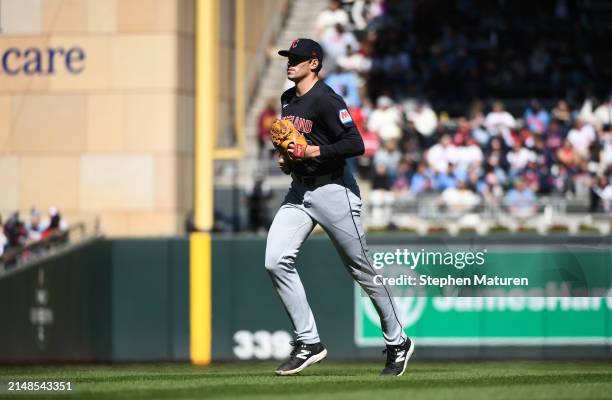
point(277, 261)
point(271, 261)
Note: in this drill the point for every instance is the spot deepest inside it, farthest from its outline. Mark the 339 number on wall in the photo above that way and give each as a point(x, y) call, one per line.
point(262, 345)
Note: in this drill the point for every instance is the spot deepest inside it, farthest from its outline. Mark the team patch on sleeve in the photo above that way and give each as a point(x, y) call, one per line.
point(345, 116)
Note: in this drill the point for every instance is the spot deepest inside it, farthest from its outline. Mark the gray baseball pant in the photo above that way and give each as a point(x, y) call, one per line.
point(336, 206)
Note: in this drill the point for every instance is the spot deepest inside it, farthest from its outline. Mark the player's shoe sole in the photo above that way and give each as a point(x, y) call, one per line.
point(312, 360)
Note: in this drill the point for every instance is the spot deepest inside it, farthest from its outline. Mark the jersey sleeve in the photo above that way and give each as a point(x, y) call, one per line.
point(346, 140)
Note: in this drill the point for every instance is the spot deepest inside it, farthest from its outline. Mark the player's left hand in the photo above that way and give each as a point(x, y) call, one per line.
point(311, 151)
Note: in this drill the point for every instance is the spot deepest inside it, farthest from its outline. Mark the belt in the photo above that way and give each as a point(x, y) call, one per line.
point(318, 180)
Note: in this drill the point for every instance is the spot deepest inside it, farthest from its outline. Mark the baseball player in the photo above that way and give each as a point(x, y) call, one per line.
point(322, 135)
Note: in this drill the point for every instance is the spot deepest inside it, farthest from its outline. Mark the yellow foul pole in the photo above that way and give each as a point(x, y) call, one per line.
point(206, 111)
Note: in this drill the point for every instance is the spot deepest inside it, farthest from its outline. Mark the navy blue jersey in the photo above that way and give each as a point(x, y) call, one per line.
point(323, 118)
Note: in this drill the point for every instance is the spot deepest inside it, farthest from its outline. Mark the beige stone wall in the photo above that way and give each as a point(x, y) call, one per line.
point(262, 21)
point(114, 141)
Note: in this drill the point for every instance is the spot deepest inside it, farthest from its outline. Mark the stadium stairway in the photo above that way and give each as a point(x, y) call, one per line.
point(301, 20)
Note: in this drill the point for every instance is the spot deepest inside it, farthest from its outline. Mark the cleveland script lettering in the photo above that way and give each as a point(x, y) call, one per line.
point(35, 61)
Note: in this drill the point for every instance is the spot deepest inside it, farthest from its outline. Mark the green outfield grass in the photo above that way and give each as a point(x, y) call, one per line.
point(329, 380)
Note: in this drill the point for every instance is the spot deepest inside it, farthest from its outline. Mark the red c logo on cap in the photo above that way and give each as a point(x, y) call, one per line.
point(294, 43)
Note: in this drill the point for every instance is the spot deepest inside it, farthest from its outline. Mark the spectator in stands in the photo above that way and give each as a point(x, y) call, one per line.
point(494, 166)
point(265, 120)
point(3, 239)
point(476, 114)
point(562, 113)
point(381, 197)
point(445, 180)
point(385, 120)
point(601, 195)
point(536, 117)
point(582, 180)
point(554, 138)
point(525, 136)
point(567, 155)
point(561, 179)
point(476, 121)
point(518, 158)
point(390, 132)
point(594, 164)
point(389, 156)
point(421, 181)
point(441, 154)
point(330, 17)
point(467, 155)
point(531, 176)
point(539, 148)
point(345, 83)
point(462, 132)
point(15, 232)
point(491, 188)
point(603, 113)
point(605, 155)
point(358, 115)
point(355, 61)
point(496, 147)
point(581, 136)
point(500, 122)
point(425, 122)
point(459, 199)
point(586, 113)
point(411, 151)
point(402, 179)
point(546, 183)
point(475, 179)
point(56, 224)
point(371, 143)
point(363, 11)
point(521, 201)
point(34, 227)
point(382, 180)
point(336, 42)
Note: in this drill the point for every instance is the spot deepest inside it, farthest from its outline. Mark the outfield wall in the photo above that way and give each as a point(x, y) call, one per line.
point(105, 300)
point(128, 300)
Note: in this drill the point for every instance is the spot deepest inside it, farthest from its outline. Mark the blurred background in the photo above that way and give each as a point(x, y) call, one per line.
point(482, 120)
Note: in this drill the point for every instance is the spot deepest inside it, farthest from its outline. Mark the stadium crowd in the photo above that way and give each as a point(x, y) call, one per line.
point(17, 234)
point(421, 97)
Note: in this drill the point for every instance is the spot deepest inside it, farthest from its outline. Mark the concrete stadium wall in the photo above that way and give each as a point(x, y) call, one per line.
point(109, 133)
point(96, 106)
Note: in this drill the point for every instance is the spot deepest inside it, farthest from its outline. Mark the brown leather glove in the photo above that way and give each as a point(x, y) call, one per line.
point(283, 133)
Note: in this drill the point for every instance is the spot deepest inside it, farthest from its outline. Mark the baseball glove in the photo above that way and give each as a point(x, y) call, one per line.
point(283, 133)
